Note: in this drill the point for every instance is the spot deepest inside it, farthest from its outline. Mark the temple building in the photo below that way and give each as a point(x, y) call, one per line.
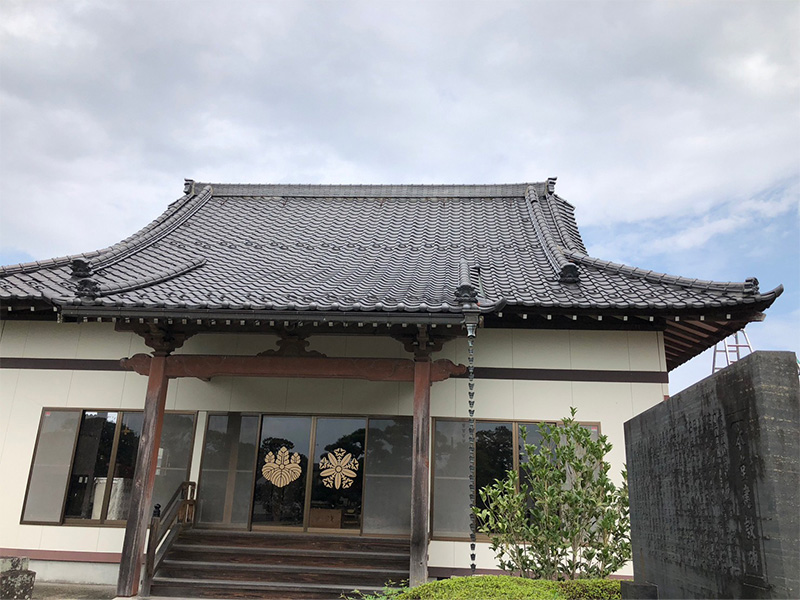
point(290, 367)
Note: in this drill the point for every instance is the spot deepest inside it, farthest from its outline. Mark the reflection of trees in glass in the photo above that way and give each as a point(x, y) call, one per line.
point(352, 443)
point(279, 503)
point(128, 446)
point(390, 446)
point(217, 444)
point(92, 457)
point(494, 454)
point(176, 440)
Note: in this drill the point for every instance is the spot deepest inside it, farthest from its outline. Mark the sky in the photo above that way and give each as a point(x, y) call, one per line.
point(672, 126)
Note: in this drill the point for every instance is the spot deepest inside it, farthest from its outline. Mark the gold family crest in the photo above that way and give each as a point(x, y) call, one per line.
point(338, 469)
point(282, 469)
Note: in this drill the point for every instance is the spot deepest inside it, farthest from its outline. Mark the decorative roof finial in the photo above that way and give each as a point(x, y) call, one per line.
point(88, 288)
point(551, 185)
point(465, 292)
point(188, 186)
point(569, 274)
point(751, 285)
point(81, 268)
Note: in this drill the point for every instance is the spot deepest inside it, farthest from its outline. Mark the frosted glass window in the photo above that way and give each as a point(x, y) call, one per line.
point(174, 456)
point(387, 482)
point(451, 502)
point(50, 469)
point(226, 477)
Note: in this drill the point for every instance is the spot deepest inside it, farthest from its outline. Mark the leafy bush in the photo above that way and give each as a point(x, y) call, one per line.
point(495, 587)
point(591, 589)
point(500, 587)
point(563, 518)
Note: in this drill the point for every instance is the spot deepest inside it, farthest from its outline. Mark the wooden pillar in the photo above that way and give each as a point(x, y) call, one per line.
point(420, 471)
point(144, 477)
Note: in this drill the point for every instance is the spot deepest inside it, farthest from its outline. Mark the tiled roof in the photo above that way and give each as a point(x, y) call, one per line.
point(404, 248)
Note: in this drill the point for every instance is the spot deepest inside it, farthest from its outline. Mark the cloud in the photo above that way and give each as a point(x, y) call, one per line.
point(647, 111)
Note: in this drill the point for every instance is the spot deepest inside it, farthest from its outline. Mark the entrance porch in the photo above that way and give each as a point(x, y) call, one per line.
point(362, 475)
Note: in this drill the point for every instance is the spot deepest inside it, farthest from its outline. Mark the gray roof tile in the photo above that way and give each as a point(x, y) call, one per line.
point(362, 248)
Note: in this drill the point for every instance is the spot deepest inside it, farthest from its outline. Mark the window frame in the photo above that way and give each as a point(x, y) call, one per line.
point(103, 521)
point(515, 424)
point(33, 464)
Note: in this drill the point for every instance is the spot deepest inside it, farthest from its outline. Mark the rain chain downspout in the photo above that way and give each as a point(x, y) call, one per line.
point(467, 294)
point(472, 329)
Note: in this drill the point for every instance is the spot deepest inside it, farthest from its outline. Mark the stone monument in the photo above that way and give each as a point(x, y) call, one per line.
point(714, 480)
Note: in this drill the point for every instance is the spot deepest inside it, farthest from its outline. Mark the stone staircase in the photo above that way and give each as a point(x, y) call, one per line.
point(206, 563)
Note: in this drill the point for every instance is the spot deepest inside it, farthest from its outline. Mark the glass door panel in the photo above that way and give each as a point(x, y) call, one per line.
point(87, 484)
point(226, 476)
point(281, 476)
point(494, 454)
point(387, 481)
point(338, 473)
point(119, 492)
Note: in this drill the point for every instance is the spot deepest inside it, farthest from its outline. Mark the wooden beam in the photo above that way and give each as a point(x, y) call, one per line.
point(372, 369)
point(144, 477)
point(420, 471)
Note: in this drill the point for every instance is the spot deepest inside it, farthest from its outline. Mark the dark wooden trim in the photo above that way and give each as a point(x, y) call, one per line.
point(371, 369)
point(519, 374)
point(62, 364)
point(144, 479)
point(420, 471)
point(63, 555)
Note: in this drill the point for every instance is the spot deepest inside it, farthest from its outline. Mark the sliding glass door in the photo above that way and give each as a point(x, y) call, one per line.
point(280, 482)
point(338, 473)
point(306, 472)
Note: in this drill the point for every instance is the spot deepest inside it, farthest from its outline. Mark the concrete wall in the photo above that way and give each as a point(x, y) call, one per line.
point(24, 392)
point(714, 476)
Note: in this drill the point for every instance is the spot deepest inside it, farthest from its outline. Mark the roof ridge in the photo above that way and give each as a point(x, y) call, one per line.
point(166, 223)
point(370, 190)
point(553, 204)
point(36, 265)
point(567, 271)
point(90, 288)
point(749, 286)
point(63, 261)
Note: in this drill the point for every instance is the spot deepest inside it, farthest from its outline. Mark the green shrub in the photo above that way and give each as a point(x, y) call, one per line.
point(562, 517)
point(591, 589)
point(500, 587)
point(496, 587)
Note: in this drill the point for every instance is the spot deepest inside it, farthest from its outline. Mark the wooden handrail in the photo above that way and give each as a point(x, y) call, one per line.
point(180, 509)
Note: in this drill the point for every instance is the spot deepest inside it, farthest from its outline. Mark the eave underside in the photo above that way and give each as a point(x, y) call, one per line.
point(685, 335)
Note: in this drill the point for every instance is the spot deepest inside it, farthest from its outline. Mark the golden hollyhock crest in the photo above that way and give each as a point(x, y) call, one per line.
point(283, 469)
point(338, 469)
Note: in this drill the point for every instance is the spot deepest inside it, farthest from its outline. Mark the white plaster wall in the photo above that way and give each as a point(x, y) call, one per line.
point(23, 395)
point(24, 392)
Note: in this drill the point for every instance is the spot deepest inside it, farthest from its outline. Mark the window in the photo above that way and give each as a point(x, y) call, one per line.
point(84, 462)
point(498, 449)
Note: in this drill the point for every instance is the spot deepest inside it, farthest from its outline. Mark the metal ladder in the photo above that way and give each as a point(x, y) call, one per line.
point(732, 348)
